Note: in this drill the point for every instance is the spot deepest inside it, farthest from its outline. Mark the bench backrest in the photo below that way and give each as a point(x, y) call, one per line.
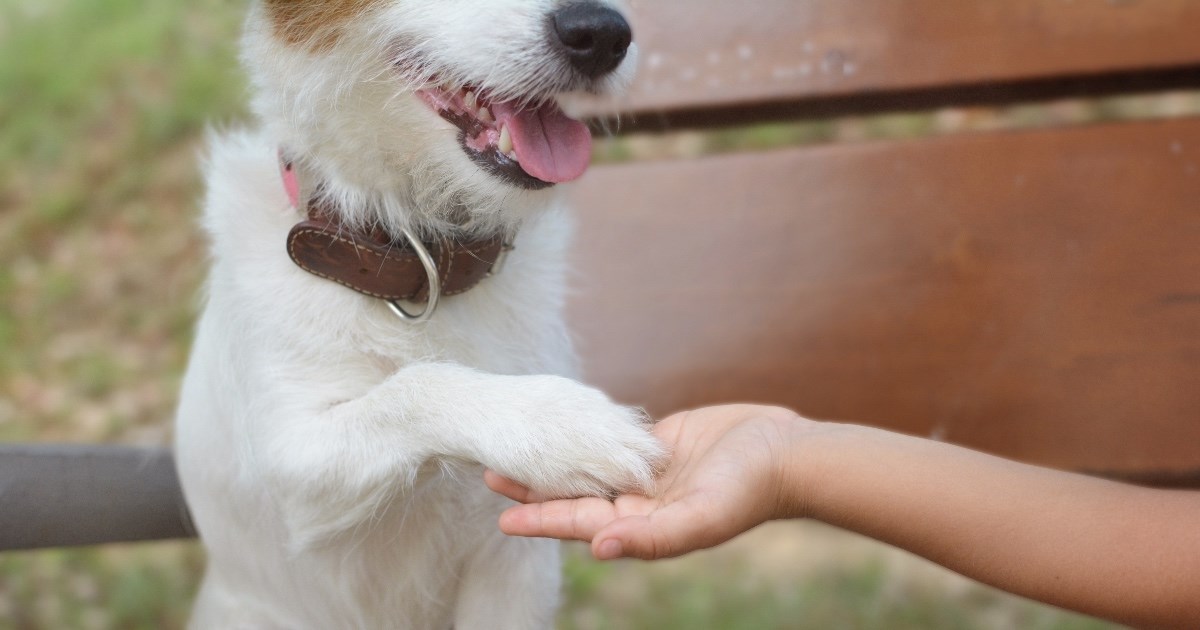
point(1034, 294)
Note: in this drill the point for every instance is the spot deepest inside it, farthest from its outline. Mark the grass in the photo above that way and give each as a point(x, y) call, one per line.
point(793, 576)
point(97, 182)
point(104, 108)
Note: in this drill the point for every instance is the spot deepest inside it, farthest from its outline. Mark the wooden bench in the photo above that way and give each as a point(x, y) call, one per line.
point(1033, 294)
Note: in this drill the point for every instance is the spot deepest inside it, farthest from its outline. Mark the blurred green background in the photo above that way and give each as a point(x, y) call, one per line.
point(103, 109)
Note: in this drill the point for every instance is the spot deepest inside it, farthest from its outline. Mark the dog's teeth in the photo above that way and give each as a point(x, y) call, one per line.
point(471, 100)
point(505, 145)
point(485, 115)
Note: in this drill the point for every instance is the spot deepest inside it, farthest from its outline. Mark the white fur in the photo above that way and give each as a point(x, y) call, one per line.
point(332, 454)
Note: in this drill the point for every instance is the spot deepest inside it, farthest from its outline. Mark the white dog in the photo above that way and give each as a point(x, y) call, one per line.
point(331, 452)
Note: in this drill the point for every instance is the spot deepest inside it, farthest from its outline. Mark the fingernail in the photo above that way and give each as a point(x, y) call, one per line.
point(609, 549)
point(507, 521)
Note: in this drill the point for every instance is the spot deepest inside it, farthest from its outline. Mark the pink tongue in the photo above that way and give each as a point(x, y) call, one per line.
point(549, 145)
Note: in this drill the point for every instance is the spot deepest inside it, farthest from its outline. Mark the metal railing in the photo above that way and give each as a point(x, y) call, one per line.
point(56, 495)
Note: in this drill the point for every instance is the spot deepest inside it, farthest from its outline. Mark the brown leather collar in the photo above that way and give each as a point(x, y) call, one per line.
point(374, 264)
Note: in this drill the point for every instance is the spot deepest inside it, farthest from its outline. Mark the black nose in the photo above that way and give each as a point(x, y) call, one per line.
point(594, 37)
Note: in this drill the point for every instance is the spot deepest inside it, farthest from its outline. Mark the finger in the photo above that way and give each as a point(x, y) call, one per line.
point(509, 488)
point(567, 519)
point(666, 533)
point(668, 428)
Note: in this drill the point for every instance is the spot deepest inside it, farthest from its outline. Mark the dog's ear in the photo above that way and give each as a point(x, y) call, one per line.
point(316, 25)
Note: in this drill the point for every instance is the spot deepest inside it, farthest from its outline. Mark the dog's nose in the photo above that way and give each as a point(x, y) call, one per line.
point(594, 37)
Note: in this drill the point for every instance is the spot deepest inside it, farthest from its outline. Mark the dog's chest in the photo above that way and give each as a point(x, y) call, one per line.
point(487, 341)
point(510, 324)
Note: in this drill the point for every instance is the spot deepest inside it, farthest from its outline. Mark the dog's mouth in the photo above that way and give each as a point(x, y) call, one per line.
point(529, 146)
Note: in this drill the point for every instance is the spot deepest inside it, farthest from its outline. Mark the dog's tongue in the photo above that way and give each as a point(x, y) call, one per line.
point(550, 145)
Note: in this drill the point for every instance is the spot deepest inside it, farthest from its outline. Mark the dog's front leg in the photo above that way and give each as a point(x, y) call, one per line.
point(510, 583)
point(333, 470)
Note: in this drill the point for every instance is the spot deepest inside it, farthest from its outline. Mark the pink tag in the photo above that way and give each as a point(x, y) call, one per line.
point(290, 184)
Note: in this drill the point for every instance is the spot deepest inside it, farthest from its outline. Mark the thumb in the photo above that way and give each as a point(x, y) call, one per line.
point(665, 533)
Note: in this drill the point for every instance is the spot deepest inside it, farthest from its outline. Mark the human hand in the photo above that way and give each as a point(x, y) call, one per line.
point(725, 477)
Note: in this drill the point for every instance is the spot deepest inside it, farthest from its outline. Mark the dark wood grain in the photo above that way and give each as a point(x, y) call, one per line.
point(1033, 294)
point(714, 52)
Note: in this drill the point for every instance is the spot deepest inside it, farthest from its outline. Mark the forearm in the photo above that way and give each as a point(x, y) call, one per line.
point(1099, 547)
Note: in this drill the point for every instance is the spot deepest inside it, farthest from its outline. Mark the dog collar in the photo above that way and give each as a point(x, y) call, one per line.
point(377, 265)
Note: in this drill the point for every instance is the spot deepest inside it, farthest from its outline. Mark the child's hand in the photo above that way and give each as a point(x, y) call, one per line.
point(724, 478)
point(1102, 548)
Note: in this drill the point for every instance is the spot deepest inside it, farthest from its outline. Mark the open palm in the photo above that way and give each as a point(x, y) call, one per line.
point(721, 481)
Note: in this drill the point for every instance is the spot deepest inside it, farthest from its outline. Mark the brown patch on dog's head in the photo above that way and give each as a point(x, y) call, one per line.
point(314, 24)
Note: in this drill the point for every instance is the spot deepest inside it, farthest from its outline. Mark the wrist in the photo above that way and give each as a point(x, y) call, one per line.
point(810, 455)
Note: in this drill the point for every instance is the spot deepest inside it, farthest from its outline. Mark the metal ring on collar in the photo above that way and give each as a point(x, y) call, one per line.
point(435, 284)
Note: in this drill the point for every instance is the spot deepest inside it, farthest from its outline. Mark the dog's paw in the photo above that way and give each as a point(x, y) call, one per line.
point(572, 441)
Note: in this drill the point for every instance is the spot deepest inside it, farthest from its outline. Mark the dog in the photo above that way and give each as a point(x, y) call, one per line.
point(331, 435)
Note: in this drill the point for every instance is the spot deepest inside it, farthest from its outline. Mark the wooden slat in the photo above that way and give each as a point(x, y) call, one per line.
point(1033, 294)
point(65, 495)
point(713, 52)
